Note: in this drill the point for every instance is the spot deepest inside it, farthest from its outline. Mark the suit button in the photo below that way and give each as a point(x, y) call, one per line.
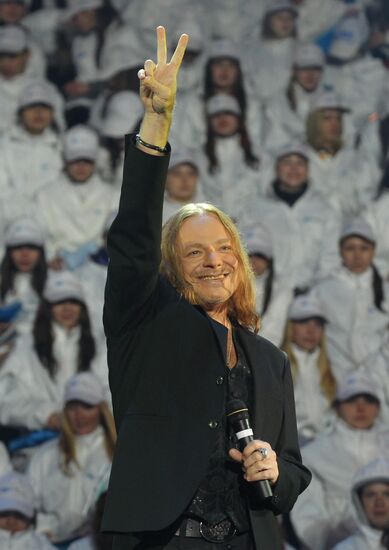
point(219, 380)
point(213, 424)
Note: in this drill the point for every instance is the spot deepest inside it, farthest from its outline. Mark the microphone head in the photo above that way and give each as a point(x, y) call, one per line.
point(236, 409)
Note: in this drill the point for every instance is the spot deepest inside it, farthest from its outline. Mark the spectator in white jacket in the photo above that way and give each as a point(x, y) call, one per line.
point(313, 381)
point(17, 515)
point(269, 60)
point(370, 501)
point(23, 271)
point(31, 151)
point(73, 209)
point(96, 540)
point(15, 61)
point(303, 225)
point(222, 75)
point(33, 377)
point(182, 182)
point(230, 169)
point(75, 462)
point(322, 516)
point(354, 299)
point(346, 177)
point(273, 294)
point(286, 112)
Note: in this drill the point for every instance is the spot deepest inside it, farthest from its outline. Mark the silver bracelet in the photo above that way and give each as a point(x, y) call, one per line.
point(139, 141)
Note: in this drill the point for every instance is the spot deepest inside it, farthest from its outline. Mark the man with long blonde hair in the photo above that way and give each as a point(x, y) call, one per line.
point(180, 322)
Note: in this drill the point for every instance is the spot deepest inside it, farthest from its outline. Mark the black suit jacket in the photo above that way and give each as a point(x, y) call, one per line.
point(165, 363)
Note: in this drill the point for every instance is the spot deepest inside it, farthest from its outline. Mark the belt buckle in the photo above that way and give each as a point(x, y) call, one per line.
point(218, 533)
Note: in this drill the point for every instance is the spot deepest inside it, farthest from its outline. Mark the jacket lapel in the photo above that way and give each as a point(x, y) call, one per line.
point(220, 331)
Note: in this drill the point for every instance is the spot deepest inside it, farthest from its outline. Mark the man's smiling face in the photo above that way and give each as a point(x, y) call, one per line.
point(208, 259)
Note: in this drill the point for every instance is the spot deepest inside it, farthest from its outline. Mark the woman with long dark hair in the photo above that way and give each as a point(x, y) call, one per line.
point(230, 166)
point(74, 462)
point(354, 301)
point(33, 379)
point(23, 270)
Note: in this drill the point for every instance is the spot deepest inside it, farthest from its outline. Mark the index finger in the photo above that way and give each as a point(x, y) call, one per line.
point(161, 45)
point(180, 50)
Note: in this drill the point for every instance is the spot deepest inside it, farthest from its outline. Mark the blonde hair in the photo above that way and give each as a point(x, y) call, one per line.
point(241, 305)
point(327, 379)
point(314, 134)
point(67, 439)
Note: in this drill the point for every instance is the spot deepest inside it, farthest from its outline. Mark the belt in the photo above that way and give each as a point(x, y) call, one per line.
point(215, 533)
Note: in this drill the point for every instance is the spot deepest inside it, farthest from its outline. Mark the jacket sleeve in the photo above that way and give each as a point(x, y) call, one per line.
point(134, 239)
point(294, 477)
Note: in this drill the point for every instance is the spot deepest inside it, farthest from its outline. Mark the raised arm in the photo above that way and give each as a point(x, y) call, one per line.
point(135, 236)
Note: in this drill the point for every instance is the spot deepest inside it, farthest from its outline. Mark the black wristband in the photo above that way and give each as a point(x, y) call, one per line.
point(140, 141)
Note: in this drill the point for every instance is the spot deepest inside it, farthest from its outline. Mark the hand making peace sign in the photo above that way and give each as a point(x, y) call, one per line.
point(158, 82)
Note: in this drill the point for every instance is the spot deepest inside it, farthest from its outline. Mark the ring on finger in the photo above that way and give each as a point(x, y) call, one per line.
point(263, 452)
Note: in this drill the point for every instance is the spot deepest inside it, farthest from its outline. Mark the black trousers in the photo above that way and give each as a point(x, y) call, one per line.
point(164, 540)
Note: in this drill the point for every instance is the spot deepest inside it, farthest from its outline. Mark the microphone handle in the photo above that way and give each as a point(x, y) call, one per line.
point(263, 485)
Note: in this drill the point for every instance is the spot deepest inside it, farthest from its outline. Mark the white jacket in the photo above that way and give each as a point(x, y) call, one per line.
point(377, 215)
point(268, 65)
point(73, 214)
point(25, 540)
point(27, 163)
point(348, 179)
point(316, 17)
point(356, 330)
point(84, 57)
point(273, 321)
point(304, 236)
point(63, 501)
point(314, 413)
point(322, 514)
point(282, 124)
point(28, 393)
point(234, 185)
point(24, 293)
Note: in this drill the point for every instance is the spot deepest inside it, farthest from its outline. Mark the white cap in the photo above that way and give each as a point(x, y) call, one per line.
point(24, 232)
point(37, 93)
point(223, 103)
point(258, 240)
point(62, 286)
point(85, 387)
point(280, 5)
point(80, 142)
point(75, 6)
point(350, 34)
point(308, 55)
point(358, 227)
point(223, 48)
point(375, 471)
point(292, 149)
point(356, 383)
point(305, 307)
point(328, 100)
point(16, 494)
point(183, 156)
point(13, 39)
point(124, 110)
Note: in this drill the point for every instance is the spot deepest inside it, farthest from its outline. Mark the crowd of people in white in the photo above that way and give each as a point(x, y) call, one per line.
point(282, 121)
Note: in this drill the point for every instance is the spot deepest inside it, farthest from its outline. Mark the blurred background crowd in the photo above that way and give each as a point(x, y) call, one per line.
point(282, 120)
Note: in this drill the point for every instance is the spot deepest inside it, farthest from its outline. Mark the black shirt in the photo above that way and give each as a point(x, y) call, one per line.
point(221, 493)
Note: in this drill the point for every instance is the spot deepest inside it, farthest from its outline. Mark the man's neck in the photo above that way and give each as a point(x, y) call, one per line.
point(220, 314)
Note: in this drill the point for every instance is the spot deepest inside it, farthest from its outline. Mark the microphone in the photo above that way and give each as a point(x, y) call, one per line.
point(238, 417)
